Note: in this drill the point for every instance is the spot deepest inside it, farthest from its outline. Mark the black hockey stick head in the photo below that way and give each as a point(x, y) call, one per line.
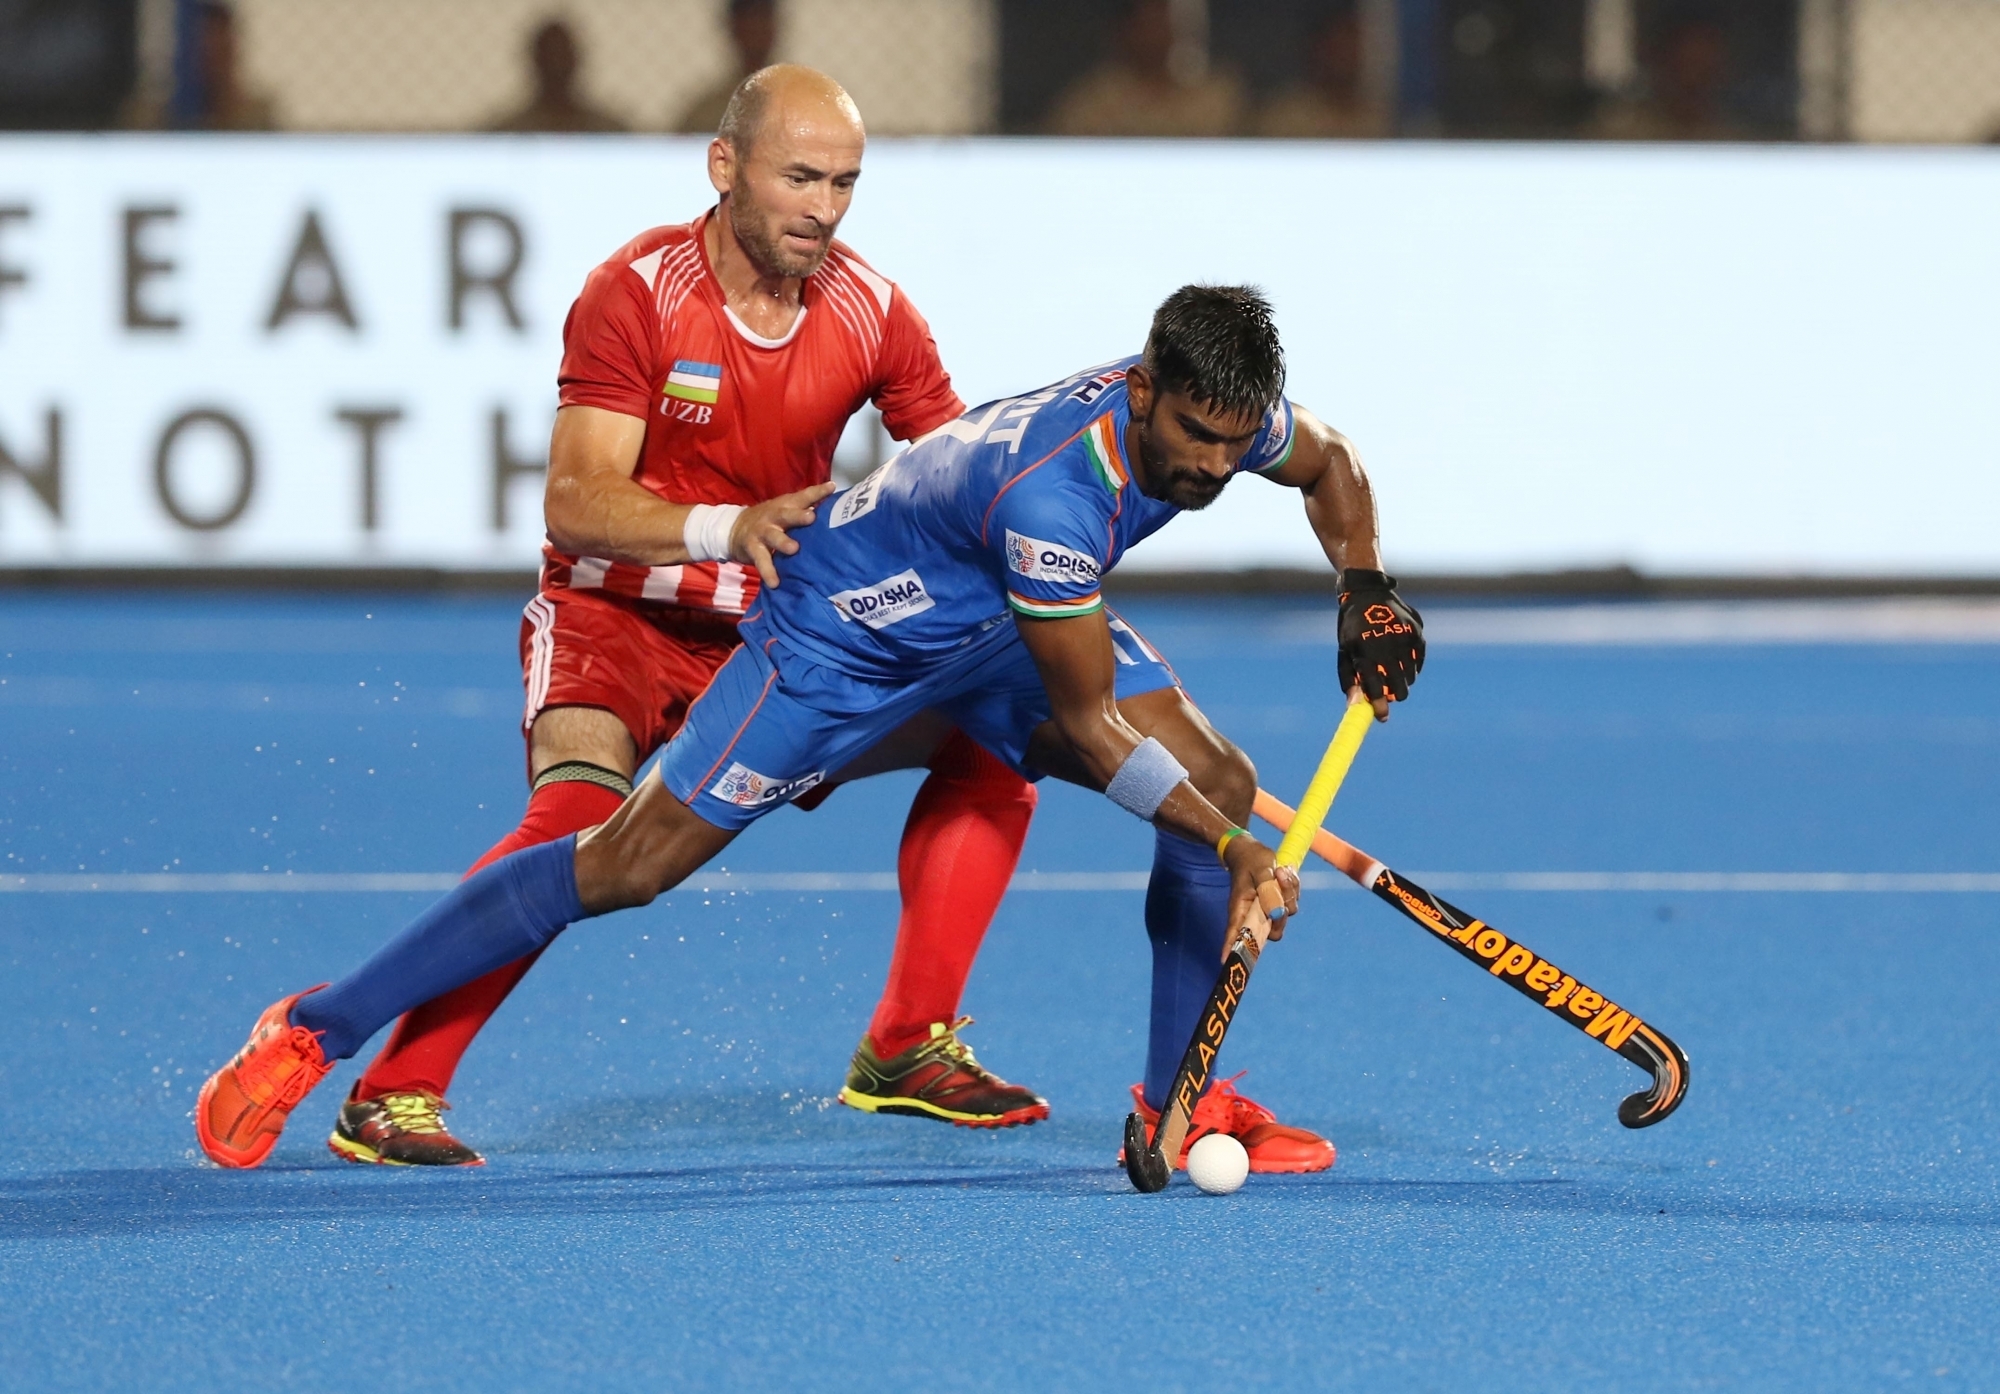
point(1144, 1163)
point(1668, 1064)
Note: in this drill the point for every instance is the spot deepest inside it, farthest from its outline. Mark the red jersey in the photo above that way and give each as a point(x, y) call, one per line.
point(732, 417)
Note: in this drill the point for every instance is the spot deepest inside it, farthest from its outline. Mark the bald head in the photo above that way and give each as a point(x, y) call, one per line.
point(785, 162)
point(788, 97)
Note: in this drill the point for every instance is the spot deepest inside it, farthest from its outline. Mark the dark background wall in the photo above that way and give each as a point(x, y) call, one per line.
point(1047, 44)
point(66, 64)
point(1468, 68)
point(1763, 92)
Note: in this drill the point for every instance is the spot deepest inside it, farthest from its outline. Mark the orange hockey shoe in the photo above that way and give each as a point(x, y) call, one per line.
point(1273, 1146)
point(243, 1107)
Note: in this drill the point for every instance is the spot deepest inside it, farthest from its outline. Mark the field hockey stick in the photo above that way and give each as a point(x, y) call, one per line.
point(1151, 1164)
point(1520, 967)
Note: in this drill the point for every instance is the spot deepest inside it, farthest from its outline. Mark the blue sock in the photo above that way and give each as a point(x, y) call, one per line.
point(1187, 918)
point(512, 908)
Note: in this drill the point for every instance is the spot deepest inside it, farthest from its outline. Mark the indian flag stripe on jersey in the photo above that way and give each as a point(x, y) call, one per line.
point(1055, 609)
point(694, 382)
point(1281, 430)
point(1100, 442)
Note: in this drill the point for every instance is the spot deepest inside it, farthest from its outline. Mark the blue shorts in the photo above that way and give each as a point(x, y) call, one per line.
point(774, 721)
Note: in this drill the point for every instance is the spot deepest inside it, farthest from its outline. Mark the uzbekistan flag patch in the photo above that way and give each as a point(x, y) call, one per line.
point(694, 382)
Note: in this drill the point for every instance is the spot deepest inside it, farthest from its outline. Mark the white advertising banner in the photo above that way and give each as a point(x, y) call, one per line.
point(328, 352)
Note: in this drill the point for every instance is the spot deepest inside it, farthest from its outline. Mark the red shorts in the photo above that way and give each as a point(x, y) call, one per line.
point(642, 663)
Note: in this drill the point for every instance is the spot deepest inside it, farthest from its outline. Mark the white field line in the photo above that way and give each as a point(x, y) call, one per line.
point(437, 882)
point(1913, 620)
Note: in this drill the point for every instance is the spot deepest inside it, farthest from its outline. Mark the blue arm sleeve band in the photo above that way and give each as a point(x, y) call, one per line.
point(1143, 782)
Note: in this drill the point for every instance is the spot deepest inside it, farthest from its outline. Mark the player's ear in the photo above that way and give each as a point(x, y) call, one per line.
point(1139, 391)
point(721, 165)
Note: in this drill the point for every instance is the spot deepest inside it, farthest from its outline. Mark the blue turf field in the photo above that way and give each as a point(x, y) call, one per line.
point(672, 1202)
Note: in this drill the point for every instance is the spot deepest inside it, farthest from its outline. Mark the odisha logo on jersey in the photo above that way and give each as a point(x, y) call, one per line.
point(1094, 387)
point(863, 497)
point(1049, 561)
point(1274, 444)
point(745, 788)
point(885, 602)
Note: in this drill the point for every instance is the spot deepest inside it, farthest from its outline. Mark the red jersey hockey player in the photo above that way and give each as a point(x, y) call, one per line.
point(708, 372)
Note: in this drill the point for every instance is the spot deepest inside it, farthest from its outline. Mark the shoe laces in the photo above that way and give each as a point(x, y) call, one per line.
point(283, 1065)
point(944, 1042)
point(1241, 1114)
point(415, 1112)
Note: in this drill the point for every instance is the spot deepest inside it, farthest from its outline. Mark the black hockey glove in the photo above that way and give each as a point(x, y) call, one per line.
point(1381, 636)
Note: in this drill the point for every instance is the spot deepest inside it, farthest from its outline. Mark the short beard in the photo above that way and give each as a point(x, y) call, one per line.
point(1190, 492)
point(747, 222)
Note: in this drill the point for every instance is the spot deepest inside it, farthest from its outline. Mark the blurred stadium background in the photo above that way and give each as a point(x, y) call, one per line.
point(1567, 269)
point(1817, 70)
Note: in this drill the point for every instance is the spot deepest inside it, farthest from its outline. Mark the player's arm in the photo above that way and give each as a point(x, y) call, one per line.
point(1381, 635)
point(1076, 663)
point(914, 392)
point(1340, 502)
point(595, 508)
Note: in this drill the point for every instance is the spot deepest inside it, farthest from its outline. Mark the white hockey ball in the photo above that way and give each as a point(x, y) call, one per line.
point(1218, 1164)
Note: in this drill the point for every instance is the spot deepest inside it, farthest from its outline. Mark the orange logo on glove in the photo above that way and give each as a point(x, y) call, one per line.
point(1380, 622)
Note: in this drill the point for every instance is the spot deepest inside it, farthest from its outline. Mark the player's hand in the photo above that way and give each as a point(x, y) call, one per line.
point(1381, 639)
point(760, 530)
point(1252, 866)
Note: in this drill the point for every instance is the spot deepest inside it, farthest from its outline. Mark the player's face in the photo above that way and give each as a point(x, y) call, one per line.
point(1187, 450)
point(788, 197)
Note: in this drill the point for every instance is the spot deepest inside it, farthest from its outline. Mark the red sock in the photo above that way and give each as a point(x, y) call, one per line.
point(959, 850)
point(427, 1044)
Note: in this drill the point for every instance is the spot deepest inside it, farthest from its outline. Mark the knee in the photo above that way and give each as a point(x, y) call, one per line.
point(1227, 779)
point(616, 888)
point(976, 776)
point(610, 875)
point(633, 888)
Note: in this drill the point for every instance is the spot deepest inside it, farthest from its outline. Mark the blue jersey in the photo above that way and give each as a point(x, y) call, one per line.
point(1020, 506)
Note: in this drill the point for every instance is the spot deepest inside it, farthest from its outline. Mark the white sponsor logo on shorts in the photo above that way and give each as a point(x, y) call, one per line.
point(863, 497)
point(745, 788)
point(885, 602)
point(1047, 561)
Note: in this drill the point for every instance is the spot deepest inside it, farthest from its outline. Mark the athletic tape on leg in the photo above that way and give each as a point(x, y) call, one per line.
point(583, 772)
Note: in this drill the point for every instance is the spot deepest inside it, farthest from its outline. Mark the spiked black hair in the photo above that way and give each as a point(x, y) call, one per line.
point(1219, 345)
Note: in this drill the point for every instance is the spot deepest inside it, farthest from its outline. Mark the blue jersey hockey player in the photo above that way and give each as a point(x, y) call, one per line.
point(959, 585)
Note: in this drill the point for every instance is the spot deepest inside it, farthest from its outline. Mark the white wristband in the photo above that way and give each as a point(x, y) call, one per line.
point(705, 534)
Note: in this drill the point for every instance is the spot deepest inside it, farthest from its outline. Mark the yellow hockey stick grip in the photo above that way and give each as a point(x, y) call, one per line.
point(1333, 767)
